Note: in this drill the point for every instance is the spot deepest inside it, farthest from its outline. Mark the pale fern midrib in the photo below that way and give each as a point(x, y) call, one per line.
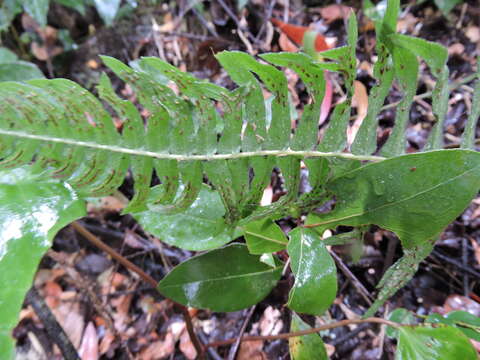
point(182, 157)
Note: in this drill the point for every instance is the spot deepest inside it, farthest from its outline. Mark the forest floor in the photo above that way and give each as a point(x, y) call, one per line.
point(98, 301)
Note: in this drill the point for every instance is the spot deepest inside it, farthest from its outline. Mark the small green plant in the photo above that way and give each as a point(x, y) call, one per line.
point(38, 9)
point(70, 135)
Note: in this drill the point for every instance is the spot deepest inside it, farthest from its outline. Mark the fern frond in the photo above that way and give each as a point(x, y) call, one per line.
point(205, 129)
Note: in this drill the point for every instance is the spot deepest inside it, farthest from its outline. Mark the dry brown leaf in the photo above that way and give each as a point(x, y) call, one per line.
point(122, 303)
point(456, 49)
point(286, 44)
point(473, 33)
point(111, 203)
point(89, 348)
point(68, 316)
point(359, 101)
point(407, 24)
point(459, 302)
point(334, 12)
point(251, 350)
point(186, 346)
point(330, 350)
point(267, 196)
point(476, 249)
point(271, 322)
point(159, 349)
point(106, 342)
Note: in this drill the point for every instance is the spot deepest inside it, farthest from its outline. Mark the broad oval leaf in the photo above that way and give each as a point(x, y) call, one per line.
point(315, 273)
point(264, 236)
point(306, 347)
point(414, 195)
point(201, 227)
point(31, 212)
point(467, 323)
point(433, 343)
point(19, 71)
point(226, 279)
point(400, 316)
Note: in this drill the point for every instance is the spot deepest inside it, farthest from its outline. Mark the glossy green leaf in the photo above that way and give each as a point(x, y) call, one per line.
point(433, 343)
point(406, 71)
point(31, 212)
point(467, 323)
point(446, 6)
point(366, 139)
point(312, 76)
point(413, 195)
point(225, 279)
point(7, 55)
point(306, 347)
point(107, 9)
point(435, 55)
point(8, 10)
point(264, 236)
point(19, 71)
point(468, 138)
point(315, 273)
point(37, 9)
point(201, 227)
point(400, 316)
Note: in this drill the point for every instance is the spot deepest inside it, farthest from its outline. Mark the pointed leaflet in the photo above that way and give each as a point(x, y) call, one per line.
point(436, 57)
point(413, 195)
point(253, 111)
point(31, 213)
point(335, 136)
point(274, 80)
point(468, 138)
point(315, 273)
point(311, 73)
point(433, 343)
point(306, 347)
point(406, 71)
point(400, 273)
point(467, 323)
point(366, 139)
point(264, 236)
point(225, 279)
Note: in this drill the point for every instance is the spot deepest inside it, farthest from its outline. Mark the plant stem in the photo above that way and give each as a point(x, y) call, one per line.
point(145, 277)
point(181, 157)
point(306, 332)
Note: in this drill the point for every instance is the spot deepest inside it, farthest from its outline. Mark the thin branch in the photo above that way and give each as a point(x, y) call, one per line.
point(234, 349)
point(144, 276)
point(355, 282)
point(308, 331)
point(180, 157)
point(52, 327)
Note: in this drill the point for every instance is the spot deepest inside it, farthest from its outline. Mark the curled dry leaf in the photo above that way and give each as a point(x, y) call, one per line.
point(186, 346)
point(106, 342)
point(473, 33)
point(251, 350)
point(456, 49)
point(334, 12)
point(68, 316)
point(286, 44)
point(271, 322)
point(89, 348)
point(359, 101)
point(476, 249)
point(159, 349)
point(459, 302)
point(407, 24)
